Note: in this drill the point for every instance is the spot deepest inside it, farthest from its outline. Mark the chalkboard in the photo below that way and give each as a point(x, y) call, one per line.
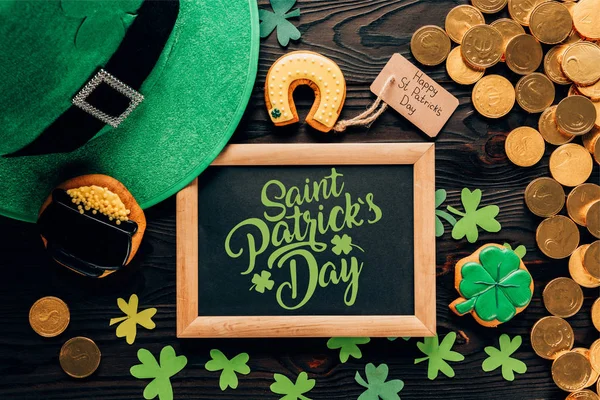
point(273, 244)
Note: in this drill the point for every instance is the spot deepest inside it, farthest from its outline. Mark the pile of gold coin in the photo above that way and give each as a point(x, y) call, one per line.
point(49, 317)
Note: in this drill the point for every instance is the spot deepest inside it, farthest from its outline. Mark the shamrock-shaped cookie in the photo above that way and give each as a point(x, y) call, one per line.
point(494, 285)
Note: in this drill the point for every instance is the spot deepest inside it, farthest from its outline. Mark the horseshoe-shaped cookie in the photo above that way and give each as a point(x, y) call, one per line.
point(305, 68)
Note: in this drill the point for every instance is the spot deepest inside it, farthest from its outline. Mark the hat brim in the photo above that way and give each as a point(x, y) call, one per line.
point(194, 100)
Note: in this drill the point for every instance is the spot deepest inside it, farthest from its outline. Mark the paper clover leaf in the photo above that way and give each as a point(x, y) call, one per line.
point(293, 391)
point(279, 20)
point(230, 367)
point(348, 346)
point(438, 354)
point(520, 250)
point(128, 326)
point(440, 197)
point(343, 244)
point(102, 21)
point(502, 358)
point(262, 282)
point(376, 384)
point(495, 287)
point(170, 364)
point(473, 217)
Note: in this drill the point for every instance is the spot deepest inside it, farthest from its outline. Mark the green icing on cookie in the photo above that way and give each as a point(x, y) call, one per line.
point(495, 287)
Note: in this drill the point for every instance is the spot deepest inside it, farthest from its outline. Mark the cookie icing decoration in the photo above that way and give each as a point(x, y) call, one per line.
point(305, 68)
point(494, 284)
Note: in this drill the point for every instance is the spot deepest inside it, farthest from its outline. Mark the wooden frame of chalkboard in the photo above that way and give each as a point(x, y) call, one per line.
point(422, 323)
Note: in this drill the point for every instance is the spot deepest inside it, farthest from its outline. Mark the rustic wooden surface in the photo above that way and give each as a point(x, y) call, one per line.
point(360, 35)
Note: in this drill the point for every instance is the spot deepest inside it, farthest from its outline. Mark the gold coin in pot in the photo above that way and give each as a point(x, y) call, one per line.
point(578, 273)
point(523, 54)
point(524, 146)
point(535, 92)
point(575, 115)
point(508, 28)
point(461, 72)
point(579, 201)
point(430, 45)
point(49, 316)
point(493, 96)
point(489, 6)
point(563, 297)
point(591, 259)
point(544, 197)
point(79, 357)
point(460, 19)
point(592, 219)
point(482, 46)
point(549, 130)
point(557, 237)
point(586, 19)
point(580, 63)
point(550, 22)
point(571, 164)
point(551, 336)
point(552, 66)
point(571, 371)
point(520, 10)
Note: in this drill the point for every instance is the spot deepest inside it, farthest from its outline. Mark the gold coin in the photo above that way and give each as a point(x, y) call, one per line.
point(579, 201)
point(571, 371)
point(586, 353)
point(550, 22)
point(595, 355)
point(571, 164)
point(430, 45)
point(79, 357)
point(524, 54)
point(596, 314)
point(573, 36)
point(489, 6)
point(590, 139)
point(575, 115)
point(549, 130)
point(551, 336)
point(563, 297)
point(509, 28)
point(524, 146)
point(580, 63)
point(591, 259)
point(460, 19)
point(493, 96)
point(520, 10)
point(573, 91)
point(544, 197)
point(578, 273)
point(597, 107)
point(592, 219)
point(557, 237)
point(583, 395)
point(461, 72)
point(586, 18)
point(552, 66)
point(592, 91)
point(535, 92)
point(49, 316)
point(482, 46)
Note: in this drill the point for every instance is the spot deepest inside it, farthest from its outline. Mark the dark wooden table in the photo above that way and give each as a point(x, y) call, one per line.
point(360, 35)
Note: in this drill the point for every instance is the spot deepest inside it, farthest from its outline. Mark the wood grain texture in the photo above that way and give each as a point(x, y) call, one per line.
point(360, 35)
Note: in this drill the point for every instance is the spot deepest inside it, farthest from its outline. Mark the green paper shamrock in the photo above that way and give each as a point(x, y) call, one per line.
point(230, 367)
point(262, 282)
point(343, 244)
point(292, 391)
point(520, 250)
point(107, 17)
point(279, 19)
point(376, 385)
point(503, 358)
point(437, 354)
point(495, 287)
point(440, 197)
point(128, 324)
point(276, 113)
point(348, 346)
point(170, 364)
point(473, 217)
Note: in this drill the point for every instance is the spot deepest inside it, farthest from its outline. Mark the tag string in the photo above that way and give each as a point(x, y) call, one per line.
point(370, 114)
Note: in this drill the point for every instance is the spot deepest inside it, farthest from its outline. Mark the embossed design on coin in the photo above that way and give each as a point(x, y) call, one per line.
point(580, 63)
point(49, 316)
point(524, 54)
point(482, 46)
point(550, 22)
point(579, 201)
point(557, 237)
point(586, 18)
point(549, 130)
point(430, 45)
point(592, 219)
point(535, 92)
point(493, 96)
point(509, 28)
point(461, 72)
point(591, 259)
point(563, 297)
point(489, 6)
point(552, 66)
point(79, 357)
point(578, 273)
point(575, 115)
point(571, 164)
point(571, 371)
point(551, 336)
point(460, 19)
point(520, 10)
point(544, 197)
point(524, 146)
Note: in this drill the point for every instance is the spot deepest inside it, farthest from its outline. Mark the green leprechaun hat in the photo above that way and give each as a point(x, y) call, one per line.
point(146, 91)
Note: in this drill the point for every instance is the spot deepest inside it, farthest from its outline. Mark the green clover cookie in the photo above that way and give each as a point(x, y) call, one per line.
point(494, 285)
